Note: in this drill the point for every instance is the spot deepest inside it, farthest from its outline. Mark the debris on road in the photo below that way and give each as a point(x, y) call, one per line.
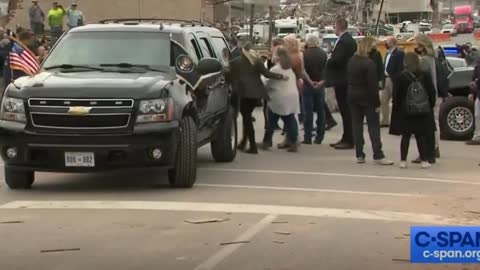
point(279, 222)
point(59, 250)
point(234, 243)
point(473, 212)
point(279, 242)
point(399, 237)
point(11, 222)
point(204, 221)
point(401, 260)
point(283, 233)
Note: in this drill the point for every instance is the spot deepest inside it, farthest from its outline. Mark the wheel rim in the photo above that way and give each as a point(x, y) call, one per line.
point(460, 119)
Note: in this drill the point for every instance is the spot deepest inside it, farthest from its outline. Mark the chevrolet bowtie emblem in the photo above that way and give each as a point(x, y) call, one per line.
point(79, 110)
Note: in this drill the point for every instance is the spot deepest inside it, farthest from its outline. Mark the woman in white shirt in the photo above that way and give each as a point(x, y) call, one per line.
point(283, 101)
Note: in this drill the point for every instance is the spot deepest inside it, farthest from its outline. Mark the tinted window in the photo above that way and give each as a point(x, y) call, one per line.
point(221, 46)
point(206, 48)
point(194, 44)
point(95, 48)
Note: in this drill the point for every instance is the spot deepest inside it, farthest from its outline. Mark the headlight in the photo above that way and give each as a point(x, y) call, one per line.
point(13, 110)
point(152, 106)
point(155, 110)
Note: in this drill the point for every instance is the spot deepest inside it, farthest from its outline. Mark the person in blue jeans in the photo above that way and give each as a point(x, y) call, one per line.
point(315, 60)
point(283, 102)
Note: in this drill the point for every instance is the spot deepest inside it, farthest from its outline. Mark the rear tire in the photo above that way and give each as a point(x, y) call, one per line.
point(184, 173)
point(224, 145)
point(457, 119)
point(19, 179)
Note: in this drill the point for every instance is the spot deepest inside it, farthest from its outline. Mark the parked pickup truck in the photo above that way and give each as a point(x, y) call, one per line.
point(457, 117)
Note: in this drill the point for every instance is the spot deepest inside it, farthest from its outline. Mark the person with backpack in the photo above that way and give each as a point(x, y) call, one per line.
point(415, 97)
point(438, 70)
point(363, 97)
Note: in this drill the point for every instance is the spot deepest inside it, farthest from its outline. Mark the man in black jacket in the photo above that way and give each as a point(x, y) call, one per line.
point(344, 49)
point(393, 70)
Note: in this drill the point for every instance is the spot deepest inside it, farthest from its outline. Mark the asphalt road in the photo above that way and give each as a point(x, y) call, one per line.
point(316, 209)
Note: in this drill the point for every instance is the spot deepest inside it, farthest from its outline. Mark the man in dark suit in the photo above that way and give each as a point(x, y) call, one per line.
point(344, 49)
point(393, 70)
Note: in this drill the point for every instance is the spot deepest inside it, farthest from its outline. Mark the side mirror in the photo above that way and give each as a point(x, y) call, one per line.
point(209, 65)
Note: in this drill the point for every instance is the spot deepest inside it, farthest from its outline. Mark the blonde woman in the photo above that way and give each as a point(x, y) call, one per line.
point(364, 100)
point(283, 102)
point(424, 49)
point(293, 48)
point(245, 73)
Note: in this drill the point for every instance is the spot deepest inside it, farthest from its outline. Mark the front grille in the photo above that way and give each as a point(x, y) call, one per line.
point(94, 103)
point(59, 113)
point(100, 121)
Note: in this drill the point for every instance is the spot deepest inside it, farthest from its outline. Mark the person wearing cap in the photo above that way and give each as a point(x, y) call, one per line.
point(36, 17)
point(74, 16)
point(55, 20)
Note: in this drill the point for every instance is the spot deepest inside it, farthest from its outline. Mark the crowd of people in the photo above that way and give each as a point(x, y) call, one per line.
point(55, 18)
point(402, 92)
point(36, 39)
point(38, 45)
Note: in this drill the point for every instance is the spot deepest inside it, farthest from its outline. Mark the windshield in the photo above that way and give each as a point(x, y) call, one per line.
point(448, 26)
point(287, 30)
point(462, 17)
point(97, 48)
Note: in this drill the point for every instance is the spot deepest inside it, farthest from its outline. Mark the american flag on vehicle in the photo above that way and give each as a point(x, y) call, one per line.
point(21, 58)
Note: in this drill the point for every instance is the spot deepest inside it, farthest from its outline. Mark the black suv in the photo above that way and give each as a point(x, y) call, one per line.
point(120, 94)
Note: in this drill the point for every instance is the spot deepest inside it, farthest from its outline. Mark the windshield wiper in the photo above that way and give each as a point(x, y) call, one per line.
point(68, 66)
point(129, 65)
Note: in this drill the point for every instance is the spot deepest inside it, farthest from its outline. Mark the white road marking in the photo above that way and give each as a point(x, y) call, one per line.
point(381, 177)
point(226, 251)
point(416, 218)
point(315, 190)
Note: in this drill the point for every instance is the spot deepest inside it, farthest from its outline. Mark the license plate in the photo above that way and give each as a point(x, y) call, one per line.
point(79, 159)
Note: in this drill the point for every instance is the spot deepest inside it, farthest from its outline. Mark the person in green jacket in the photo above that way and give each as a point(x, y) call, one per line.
point(55, 20)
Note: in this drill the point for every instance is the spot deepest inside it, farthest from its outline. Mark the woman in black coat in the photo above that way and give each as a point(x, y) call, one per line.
point(245, 72)
point(364, 101)
point(422, 126)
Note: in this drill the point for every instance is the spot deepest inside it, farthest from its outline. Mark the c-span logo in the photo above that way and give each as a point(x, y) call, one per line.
point(447, 244)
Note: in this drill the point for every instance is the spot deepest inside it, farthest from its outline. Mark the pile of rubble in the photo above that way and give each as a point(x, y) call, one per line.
point(325, 13)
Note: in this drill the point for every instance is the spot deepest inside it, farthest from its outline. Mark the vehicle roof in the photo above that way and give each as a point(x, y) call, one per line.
point(330, 36)
point(462, 9)
point(176, 28)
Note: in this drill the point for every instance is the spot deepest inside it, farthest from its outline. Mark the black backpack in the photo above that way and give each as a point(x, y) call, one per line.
point(417, 101)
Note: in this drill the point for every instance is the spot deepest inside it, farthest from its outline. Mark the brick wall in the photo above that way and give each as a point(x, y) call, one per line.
point(95, 10)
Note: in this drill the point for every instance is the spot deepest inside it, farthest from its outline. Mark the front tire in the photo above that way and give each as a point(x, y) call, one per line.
point(19, 179)
point(457, 119)
point(224, 145)
point(184, 173)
